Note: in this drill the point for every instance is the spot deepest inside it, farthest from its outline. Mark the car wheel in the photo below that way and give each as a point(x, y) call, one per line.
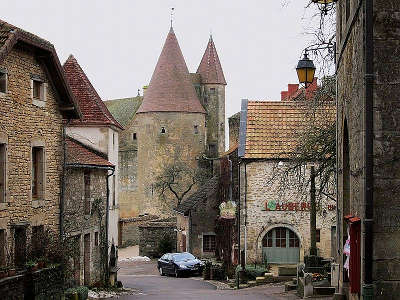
point(161, 271)
point(176, 273)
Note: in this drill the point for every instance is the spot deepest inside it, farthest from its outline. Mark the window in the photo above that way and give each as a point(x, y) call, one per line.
point(2, 247)
point(37, 90)
point(3, 82)
point(2, 173)
point(86, 180)
point(37, 173)
point(208, 243)
point(37, 240)
point(280, 237)
point(134, 137)
point(318, 235)
point(212, 90)
point(212, 150)
point(293, 240)
point(196, 129)
point(96, 238)
point(163, 130)
point(20, 246)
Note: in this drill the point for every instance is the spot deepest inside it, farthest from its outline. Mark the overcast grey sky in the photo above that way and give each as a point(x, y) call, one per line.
point(118, 42)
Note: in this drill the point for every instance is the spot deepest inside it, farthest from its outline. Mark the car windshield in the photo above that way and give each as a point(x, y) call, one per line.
point(183, 257)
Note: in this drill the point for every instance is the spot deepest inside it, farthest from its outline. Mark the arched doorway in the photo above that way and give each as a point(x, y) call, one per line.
point(281, 245)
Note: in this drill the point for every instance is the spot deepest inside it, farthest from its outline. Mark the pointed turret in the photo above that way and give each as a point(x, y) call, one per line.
point(171, 89)
point(94, 111)
point(210, 67)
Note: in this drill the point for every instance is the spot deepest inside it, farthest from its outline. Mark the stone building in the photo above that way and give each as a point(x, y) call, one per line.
point(85, 208)
point(274, 214)
point(367, 36)
point(34, 99)
point(97, 130)
point(180, 117)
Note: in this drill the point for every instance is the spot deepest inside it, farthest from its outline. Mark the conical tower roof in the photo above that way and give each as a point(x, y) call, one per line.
point(210, 68)
point(171, 88)
point(94, 111)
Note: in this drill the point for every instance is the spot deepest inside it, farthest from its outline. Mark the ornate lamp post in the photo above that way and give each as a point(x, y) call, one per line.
point(325, 5)
point(305, 70)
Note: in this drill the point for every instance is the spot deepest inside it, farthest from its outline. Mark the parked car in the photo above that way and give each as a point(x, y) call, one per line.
point(178, 264)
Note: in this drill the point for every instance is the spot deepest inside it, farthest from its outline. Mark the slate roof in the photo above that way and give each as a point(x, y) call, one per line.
point(208, 189)
point(123, 110)
point(93, 109)
point(272, 127)
point(45, 52)
point(171, 88)
point(82, 155)
point(210, 67)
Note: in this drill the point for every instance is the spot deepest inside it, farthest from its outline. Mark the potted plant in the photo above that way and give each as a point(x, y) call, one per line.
point(31, 265)
point(3, 272)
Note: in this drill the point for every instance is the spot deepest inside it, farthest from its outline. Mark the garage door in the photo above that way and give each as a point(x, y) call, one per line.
point(281, 245)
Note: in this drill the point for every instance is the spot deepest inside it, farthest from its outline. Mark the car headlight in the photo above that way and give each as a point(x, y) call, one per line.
point(182, 266)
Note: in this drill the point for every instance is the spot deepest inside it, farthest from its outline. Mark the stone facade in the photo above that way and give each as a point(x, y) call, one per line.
point(256, 221)
point(152, 233)
point(351, 74)
point(24, 124)
point(78, 223)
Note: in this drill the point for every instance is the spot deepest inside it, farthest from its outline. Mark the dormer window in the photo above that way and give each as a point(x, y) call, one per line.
point(163, 130)
point(3, 81)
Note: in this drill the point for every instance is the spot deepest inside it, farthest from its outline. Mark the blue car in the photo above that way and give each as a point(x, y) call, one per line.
point(178, 264)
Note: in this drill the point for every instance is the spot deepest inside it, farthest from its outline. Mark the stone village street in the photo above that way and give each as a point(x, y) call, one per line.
point(144, 277)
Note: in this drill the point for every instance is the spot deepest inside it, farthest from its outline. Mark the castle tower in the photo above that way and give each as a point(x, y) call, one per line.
point(171, 122)
point(213, 98)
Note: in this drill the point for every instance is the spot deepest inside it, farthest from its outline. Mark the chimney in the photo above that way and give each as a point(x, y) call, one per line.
point(284, 95)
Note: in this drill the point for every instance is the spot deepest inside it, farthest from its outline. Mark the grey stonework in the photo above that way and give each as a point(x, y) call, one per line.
point(386, 137)
point(152, 234)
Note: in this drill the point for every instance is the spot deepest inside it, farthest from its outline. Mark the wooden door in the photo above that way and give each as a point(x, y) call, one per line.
point(281, 245)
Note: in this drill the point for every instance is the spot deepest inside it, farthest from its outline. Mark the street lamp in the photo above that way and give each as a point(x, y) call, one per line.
point(325, 5)
point(305, 70)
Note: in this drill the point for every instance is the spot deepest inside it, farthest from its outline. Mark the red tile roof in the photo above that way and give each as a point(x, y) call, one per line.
point(273, 126)
point(210, 67)
point(79, 154)
point(92, 107)
point(171, 88)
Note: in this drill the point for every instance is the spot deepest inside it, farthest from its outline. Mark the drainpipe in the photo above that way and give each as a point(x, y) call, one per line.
point(238, 207)
point(368, 146)
point(107, 221)
point(245, 212)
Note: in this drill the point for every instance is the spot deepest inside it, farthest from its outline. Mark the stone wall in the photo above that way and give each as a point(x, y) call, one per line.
point(22, 126)
point(259, 221)
point(130, 229)
point(40, 285)
point(234, 123)
point(77, 224)
point(156, 150)
point(151, 234)
point(351, 99)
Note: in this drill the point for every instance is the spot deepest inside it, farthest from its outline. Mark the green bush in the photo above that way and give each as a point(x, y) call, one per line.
point(166, 245)
point(81, 291)
point(252, 272)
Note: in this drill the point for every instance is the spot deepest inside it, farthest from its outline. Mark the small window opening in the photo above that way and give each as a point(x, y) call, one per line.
point(96, 238)
point(3, 82)
point(2, 247)
point(37, 240)
point(2, 172)
point(162, 129)
point(134, 137)
point(212, 90)
point(196, 129)
point(37, 172)
point(318, 235)
point(212, 149)
point(209, 244)
point(37, 90)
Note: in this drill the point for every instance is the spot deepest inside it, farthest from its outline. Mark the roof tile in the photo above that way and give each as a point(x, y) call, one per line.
point(78, 153)
point(210, 67)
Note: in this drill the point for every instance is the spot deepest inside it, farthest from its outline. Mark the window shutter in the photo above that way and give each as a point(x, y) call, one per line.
point(44, 98)
point(31, 89)
point(355, 254)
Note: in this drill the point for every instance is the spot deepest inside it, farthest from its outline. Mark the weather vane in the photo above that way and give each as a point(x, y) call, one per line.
point(172, 15)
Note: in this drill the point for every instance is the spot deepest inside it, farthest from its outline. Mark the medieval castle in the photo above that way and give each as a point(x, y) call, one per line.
point(181, 114)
